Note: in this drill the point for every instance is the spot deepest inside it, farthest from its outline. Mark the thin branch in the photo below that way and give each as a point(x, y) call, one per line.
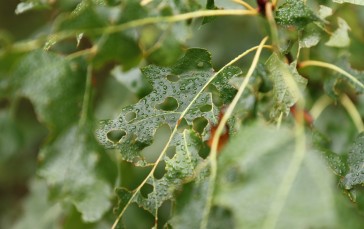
point(219, 131)
point(353, 112)
point(308, 63)
point(245, 4)
point(319, 106)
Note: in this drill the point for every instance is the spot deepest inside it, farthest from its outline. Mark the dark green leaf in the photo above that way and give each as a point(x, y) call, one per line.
point(287, 84)
point(54, 86)
point(295, 13)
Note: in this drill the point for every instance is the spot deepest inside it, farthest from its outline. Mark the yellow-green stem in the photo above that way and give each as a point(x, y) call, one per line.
point(220, 129)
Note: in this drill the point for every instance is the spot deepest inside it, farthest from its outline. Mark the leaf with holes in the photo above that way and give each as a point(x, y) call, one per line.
point(287, 84)
point(179, 169)
point(173, 90)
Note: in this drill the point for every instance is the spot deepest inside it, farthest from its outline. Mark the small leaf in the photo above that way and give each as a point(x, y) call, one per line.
point(31, 5)
point(287, 84)
point(311, 36)
point(340, 37)
point(356, 164)
point(295, 13)
point(324, 12)
point(70, 167)
point(356, 2)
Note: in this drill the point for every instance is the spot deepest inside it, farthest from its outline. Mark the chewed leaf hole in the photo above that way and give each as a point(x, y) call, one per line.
point(173, 78)
point(205, 108)
point(146, 189)
point(183, 125)
point(115, 135)
point(171, 151)
point(130, 116)
point(160, 170)
point(199, 124)
point(169, 104)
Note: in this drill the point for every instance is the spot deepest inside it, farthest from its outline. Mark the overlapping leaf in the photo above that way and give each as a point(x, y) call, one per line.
point(357, 2)
point(287, 84)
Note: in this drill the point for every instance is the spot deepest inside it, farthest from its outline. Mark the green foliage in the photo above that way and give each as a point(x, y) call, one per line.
point(114, 114)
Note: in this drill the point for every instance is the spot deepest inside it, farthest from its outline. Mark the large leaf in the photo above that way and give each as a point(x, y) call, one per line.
point(251, 170)
point(173, 90)
point(71, 167)
point(287, 84)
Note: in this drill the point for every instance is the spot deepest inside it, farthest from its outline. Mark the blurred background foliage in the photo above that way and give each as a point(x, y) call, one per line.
point(28, 201)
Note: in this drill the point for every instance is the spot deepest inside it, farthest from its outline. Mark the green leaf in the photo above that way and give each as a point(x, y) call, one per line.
point(174, 87)
point(295, 13)
point(311, 36)
point(71, 167)
point(287, 84)
point(53, 85)
point(356, 2)
point(340, 37)
point(251, 169)
point(355, 175)
point(179, 169)
point(28, 5)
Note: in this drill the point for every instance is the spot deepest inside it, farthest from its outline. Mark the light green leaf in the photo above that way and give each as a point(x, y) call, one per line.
point(53, 85)
point(340, 38)
point(70, 167)
point(287, 84)
point(324, 12)
point(356, 164)
point(251, 169)
point(356, 2)
point(31, 5)
point(311, 36)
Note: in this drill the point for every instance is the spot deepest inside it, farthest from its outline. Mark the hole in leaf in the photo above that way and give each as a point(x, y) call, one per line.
point(199, 124)
point(205, 108)
point(164, 213)
point(173, 78)
point(204, 151)
point(146, 189)
point(152, 152)
point(160, 170)
point(115, 135)
point(169, 104)
point(130, 116)
point(171, 151)
point(182, 125)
